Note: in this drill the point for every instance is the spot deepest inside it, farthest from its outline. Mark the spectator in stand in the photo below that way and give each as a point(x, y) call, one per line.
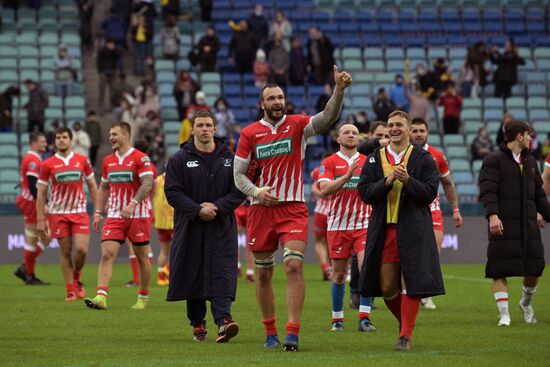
point(93, 128)
point(96, 28)
point(209, 45)
point(225, 122)
point(298, 63)
point(115, 28)
point(383, 105)
point(81, 140)
point(242, 48)
point(419, 105)
point(428, 81)
point(281, 28)
point(124, 9)
point(184, 92)
point(398, 94)
point(50, 136)
point(444, 77)
point(36, 106)
point(200, 103)
point(170, 38)
point(506, 119)
point(258, 24)
point(107, 60)
point(120, 90)
point(279, 62)
point(129, 115)
point(362, 122)
point(467, 79)
point(142, 36)
point(545, 150)
point(170, 9)
point(482, 145)
point(85, 13)
point(147, 99)
point(148, 10)
point(65, 73)
point(206, 10)
point(477, 56)
point(261, 69)
point(320, 56)
point(6, 108)
point(452, 107)
point(507, 63)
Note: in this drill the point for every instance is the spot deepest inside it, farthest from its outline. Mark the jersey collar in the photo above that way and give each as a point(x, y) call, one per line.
point(273, 127)
point(122, 157)
point(34, 153)
point(397, 157)
point(425, 146)
point(346, 158)
point(66, 159)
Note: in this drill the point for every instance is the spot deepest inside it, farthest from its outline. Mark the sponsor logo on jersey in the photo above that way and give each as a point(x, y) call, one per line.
point(68, 176)
point(340, 167)
point(322, 170)
point(227, 162)
point(77, 164)
point(111, 165)
point(372, 160)
point(192, 164)
point(260, 135)
point(32, 165)
point(251, 242)
point(274, 149)
point(120, 176)
point(145, 159)
point(350, 184)
point(287, 129)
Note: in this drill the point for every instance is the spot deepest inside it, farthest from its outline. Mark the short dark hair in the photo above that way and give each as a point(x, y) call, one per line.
point(203, 114)
point(124, 126)
point(268, 85)
point(142, 145)
point(62, 130)
point(91, 113)
point(375, 125)
point(419, 121)
point(513, 128)
point(34, 136)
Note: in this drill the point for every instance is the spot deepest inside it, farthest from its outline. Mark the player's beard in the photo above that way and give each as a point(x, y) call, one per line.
point(349, 145)
point(270, 113)
point(420, 142)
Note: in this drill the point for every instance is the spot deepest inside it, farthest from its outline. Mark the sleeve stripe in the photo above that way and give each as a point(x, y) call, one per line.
point(104, 179)
point(324, 179)
point(42, 182)
point(245, 160)
point(34, 174)
point(547, 164)
point(446, 174)
point(90, 176)
point(146, 173)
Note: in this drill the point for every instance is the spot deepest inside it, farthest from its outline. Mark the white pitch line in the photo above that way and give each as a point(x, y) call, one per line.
point(475, 280)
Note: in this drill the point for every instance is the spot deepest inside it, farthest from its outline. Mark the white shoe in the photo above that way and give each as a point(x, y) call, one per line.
point(504, 321)
point(428, 303)
point(528, 313)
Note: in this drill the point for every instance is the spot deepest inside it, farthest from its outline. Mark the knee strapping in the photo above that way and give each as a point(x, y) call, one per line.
point(265, 263)
point(289, 254)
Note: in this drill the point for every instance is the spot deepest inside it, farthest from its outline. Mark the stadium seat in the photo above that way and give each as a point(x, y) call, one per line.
point(467, 190)
point(459, 164)
point(456, 152)
point(454, 139)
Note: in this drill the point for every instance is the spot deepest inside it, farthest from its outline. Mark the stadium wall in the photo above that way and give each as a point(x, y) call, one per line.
point(464, 245)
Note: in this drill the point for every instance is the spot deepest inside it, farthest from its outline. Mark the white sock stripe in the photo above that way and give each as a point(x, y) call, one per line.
point(364, 308)
point(249, 272)
point(31, 248)
point(501, 295)
point(142, 296)
point(131, 256)
point(102, 292)
point(529, 290)
point(337, 314)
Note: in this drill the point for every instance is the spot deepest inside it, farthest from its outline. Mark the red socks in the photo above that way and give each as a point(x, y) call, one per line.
point(135, 269)
point(394, 305)
point(409, 310)
point(76, 276)
point(292, 328)
point(29, 259)
point(270, 327)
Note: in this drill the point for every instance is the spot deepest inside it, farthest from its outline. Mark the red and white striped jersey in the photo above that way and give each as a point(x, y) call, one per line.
point(123, 174)
point(322, 204)
point(347, 211)
point(30, 166)
point(547, 162)
point(279, 152)
point(442, 167)
point(65, 176)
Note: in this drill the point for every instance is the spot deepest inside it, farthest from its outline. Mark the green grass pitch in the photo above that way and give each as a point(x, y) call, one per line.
point(38, 328)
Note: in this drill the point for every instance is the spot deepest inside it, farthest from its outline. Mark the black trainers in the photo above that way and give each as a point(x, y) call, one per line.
point(131, 284)
point(33, 280)
point(21, 273)
point(199, 333)
point(403, 344)
point(228, 330)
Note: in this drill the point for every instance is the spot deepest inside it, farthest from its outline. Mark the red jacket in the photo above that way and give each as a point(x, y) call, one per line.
point(452, 105)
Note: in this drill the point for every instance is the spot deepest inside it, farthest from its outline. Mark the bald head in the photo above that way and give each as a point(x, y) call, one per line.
point(348, 137)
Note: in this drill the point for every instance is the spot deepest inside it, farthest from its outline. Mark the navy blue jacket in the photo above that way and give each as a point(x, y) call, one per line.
point(203, 256)
point(415, 236)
